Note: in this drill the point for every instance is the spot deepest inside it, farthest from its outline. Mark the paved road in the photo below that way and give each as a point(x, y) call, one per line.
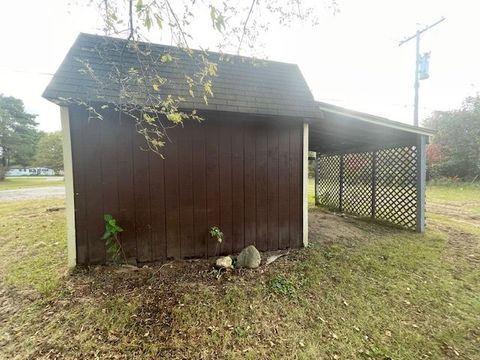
point(47, 192)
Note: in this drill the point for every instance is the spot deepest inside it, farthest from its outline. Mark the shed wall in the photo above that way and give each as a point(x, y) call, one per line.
point(234, 171)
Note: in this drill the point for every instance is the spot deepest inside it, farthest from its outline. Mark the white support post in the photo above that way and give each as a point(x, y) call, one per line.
point(69, 194)
point(421, 181)
point(305, 184)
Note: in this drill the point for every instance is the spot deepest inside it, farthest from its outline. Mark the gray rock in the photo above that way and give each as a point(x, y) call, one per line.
point(224, 262)
point(249, 258)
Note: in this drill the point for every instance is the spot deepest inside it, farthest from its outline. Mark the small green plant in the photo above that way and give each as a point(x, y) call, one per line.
point(216, 235)
point(281, 285)
point(112, 242)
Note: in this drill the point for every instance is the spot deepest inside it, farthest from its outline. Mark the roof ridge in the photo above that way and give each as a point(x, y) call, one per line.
point(243, 57)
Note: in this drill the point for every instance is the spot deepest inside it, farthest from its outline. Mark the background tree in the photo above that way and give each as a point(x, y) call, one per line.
point(50, 152)
point(18, 135)
point(236, 25)
point(455, 148)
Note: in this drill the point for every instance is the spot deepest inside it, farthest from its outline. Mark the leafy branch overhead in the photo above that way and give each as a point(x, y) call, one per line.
point(144, 90)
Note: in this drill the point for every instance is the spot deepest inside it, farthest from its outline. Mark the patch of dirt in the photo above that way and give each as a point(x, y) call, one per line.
point(461, 244)
point(328, 228)
point(455, 211)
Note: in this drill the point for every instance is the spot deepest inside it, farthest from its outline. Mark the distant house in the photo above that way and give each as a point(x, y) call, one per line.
point(31, 171)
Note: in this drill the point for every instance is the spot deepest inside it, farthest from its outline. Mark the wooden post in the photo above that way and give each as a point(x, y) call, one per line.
point(340, 196)
point(69, 191)
point(421, 182)
point(305, 184)
point(317, 178)
point(374, 184)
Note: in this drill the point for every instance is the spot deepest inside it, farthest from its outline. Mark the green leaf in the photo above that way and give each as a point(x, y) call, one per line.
point(166, 58)
point(148, 22)
point(148, 119)
point(159, 21)
point(107, 235)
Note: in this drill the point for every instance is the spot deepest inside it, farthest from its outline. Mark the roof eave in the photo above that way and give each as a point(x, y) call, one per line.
point(372, 119)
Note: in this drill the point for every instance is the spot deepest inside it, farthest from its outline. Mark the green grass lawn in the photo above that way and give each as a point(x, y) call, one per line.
point(21, 182)
point(376, 293)
point(464, 196)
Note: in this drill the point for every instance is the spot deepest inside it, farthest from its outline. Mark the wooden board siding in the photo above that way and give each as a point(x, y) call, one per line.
point(241, 173)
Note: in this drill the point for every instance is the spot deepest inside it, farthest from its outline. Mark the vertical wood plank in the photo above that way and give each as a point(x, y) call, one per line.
point(157, 206)
point(94, 194)
point(185, 180)
point(238, 190)
point(261, 173)
point(213, 180)
point(225, 163)
point(249, 184)
point(126, 195)
point(296, 201)
point(273, 188)
point(284, 187)
point(199, 189)
point(171, 196)
point(141, 178)
point(78, 121)
point(108, 141)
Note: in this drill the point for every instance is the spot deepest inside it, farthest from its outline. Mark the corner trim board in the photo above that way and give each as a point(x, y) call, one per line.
point(305, 184)
point(69, 194)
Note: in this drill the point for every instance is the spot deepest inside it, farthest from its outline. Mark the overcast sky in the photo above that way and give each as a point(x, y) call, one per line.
point(351, 59)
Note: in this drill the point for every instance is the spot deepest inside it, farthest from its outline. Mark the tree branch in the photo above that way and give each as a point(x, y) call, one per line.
point(182, 33)
point(245, 26)
point(130, 19)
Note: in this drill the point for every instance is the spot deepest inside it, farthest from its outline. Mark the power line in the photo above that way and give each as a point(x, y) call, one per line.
point(26, 71)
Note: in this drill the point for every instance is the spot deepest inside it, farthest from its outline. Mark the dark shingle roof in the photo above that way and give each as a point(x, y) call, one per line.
point(241, 84)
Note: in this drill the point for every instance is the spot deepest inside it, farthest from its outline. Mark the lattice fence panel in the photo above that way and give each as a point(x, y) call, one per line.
point(381, 184)
point(328, 188)
point(396, 186)
point(357, 184)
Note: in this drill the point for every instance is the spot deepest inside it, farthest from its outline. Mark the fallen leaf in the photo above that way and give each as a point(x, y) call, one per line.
point(272, 258)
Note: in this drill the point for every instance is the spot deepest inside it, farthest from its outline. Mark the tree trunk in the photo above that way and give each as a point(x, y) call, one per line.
point(3, 168)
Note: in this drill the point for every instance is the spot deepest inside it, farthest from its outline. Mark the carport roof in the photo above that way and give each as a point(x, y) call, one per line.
point(341, 130)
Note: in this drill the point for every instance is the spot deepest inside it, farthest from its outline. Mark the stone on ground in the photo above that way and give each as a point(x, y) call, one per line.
point(224, 262)
point(249, 258)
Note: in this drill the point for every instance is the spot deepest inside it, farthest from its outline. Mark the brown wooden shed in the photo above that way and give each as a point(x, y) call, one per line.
point(241, 169)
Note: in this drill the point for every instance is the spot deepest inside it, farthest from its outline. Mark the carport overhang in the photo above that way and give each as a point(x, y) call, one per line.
point(340, 130)
point(350, 135)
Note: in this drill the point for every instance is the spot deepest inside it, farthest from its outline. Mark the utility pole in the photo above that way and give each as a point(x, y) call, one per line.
point(417, 64)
